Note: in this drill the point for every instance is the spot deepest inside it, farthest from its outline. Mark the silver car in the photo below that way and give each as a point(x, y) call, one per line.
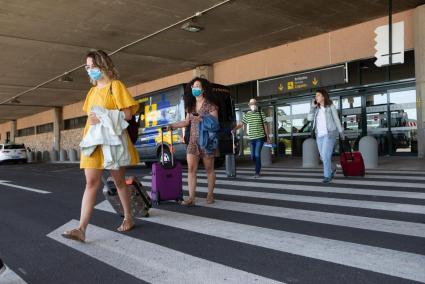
point(13, 153)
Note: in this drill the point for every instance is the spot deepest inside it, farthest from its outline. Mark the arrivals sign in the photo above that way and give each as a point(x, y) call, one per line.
point(331, 76)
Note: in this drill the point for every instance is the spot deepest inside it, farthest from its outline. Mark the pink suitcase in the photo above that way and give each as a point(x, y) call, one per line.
point(167, 179)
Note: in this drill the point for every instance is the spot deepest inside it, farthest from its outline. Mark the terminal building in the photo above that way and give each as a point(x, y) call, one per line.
point(278, 53)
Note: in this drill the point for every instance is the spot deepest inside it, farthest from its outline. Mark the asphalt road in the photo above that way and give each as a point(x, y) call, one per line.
point(284, 227)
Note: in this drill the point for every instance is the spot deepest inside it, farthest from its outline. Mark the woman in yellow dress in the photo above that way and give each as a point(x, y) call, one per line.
point(103, 76)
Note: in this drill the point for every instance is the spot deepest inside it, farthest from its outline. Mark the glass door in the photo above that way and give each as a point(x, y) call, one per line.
point(403, 117)
point(301, 127)
point(351, 110)
point(377, 120)
point(284, 130)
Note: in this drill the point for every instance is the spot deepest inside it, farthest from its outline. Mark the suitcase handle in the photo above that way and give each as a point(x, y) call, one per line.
point(233, 142)
point(346, 147)
point(164, 128)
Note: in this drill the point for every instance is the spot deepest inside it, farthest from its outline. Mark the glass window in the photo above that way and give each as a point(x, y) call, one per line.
point(376, 119)
point(352, 119)
point(403, 121)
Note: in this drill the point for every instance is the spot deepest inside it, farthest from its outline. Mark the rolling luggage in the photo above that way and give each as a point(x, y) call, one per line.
point(139, 200)
point(351, 162)
point(231, 161)
point(167, 179)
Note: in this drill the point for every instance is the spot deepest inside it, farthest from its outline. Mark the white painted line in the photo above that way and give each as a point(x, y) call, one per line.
point(366, 223)
point(316, 174)
point(351, 182)
point(8, 184)
point(150, 262)
point(10, 277)
point(314, 188)
point(386, 261)
point(396, 207)
point(320, 170)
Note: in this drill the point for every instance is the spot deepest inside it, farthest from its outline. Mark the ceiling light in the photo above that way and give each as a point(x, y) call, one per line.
point(191, 27)
point(66, 78)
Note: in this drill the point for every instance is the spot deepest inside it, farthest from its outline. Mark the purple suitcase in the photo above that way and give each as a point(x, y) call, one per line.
point(167, 179)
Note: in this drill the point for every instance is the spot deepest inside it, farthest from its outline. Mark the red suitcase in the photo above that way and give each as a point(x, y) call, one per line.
point(351, 162)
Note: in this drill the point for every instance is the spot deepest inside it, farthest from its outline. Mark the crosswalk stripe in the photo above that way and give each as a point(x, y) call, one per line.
point(351, 182)
point(151, 262)
point(390, 262)
point(366, 223)
point(397, 207)
point(314, 188)
point(316, 174)
point(10, 277)
point(320, 170)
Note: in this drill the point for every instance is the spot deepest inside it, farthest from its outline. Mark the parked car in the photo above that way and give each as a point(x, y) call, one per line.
point(13, 153)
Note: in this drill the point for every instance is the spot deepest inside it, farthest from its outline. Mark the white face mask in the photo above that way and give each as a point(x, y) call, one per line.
point(253, 107)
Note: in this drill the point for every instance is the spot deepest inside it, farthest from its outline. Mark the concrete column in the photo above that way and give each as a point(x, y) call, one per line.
point(204, 71)
point(419, 46)
point(13, 131)
point(57, 127)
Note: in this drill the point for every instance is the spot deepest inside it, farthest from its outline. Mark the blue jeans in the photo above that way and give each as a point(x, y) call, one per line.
point(326, 147)
point(256, 145)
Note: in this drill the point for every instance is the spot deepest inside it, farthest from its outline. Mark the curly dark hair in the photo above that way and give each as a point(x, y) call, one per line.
point(327, 101)
point(190, 100)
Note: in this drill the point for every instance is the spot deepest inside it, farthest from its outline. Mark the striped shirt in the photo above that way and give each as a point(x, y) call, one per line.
point(253, 120)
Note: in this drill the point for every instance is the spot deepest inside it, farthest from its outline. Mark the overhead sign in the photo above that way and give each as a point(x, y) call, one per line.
point(331, 76)
point(382, 44)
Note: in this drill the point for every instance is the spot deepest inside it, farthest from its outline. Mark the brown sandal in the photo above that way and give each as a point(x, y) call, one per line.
point(210, 199)
point(189, 202)
point(126, 225)
point(75, 234)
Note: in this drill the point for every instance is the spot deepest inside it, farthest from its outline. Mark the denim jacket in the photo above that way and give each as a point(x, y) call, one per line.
point(333, 124)
point(208, 139)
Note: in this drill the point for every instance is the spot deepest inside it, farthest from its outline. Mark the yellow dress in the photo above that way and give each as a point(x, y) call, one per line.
point(119, 99)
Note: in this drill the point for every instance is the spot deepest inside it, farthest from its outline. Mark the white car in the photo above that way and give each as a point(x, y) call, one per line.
point(13, 153)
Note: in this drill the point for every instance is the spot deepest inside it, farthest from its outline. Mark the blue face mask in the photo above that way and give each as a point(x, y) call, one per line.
point(196, 92)
point(95, 74)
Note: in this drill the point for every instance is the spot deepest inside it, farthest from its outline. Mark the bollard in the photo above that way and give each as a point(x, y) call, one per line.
point(30, 157)
point(46, 156)
point(72, 154)
point(368, 146)
point(54, 156)
point(62, 155)
point(38, 157)
point(310, 154)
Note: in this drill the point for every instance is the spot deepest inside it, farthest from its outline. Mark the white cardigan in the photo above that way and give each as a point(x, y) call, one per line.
point(111, 135)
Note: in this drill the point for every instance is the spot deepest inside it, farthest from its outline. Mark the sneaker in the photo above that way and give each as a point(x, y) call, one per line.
point(256, 175)
point(2, 266)
point(326, 180)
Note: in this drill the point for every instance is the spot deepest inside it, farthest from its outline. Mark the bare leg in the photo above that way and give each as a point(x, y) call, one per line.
point(93, 180)
point(124, 194)
point(192, 165)
point(209, 168)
